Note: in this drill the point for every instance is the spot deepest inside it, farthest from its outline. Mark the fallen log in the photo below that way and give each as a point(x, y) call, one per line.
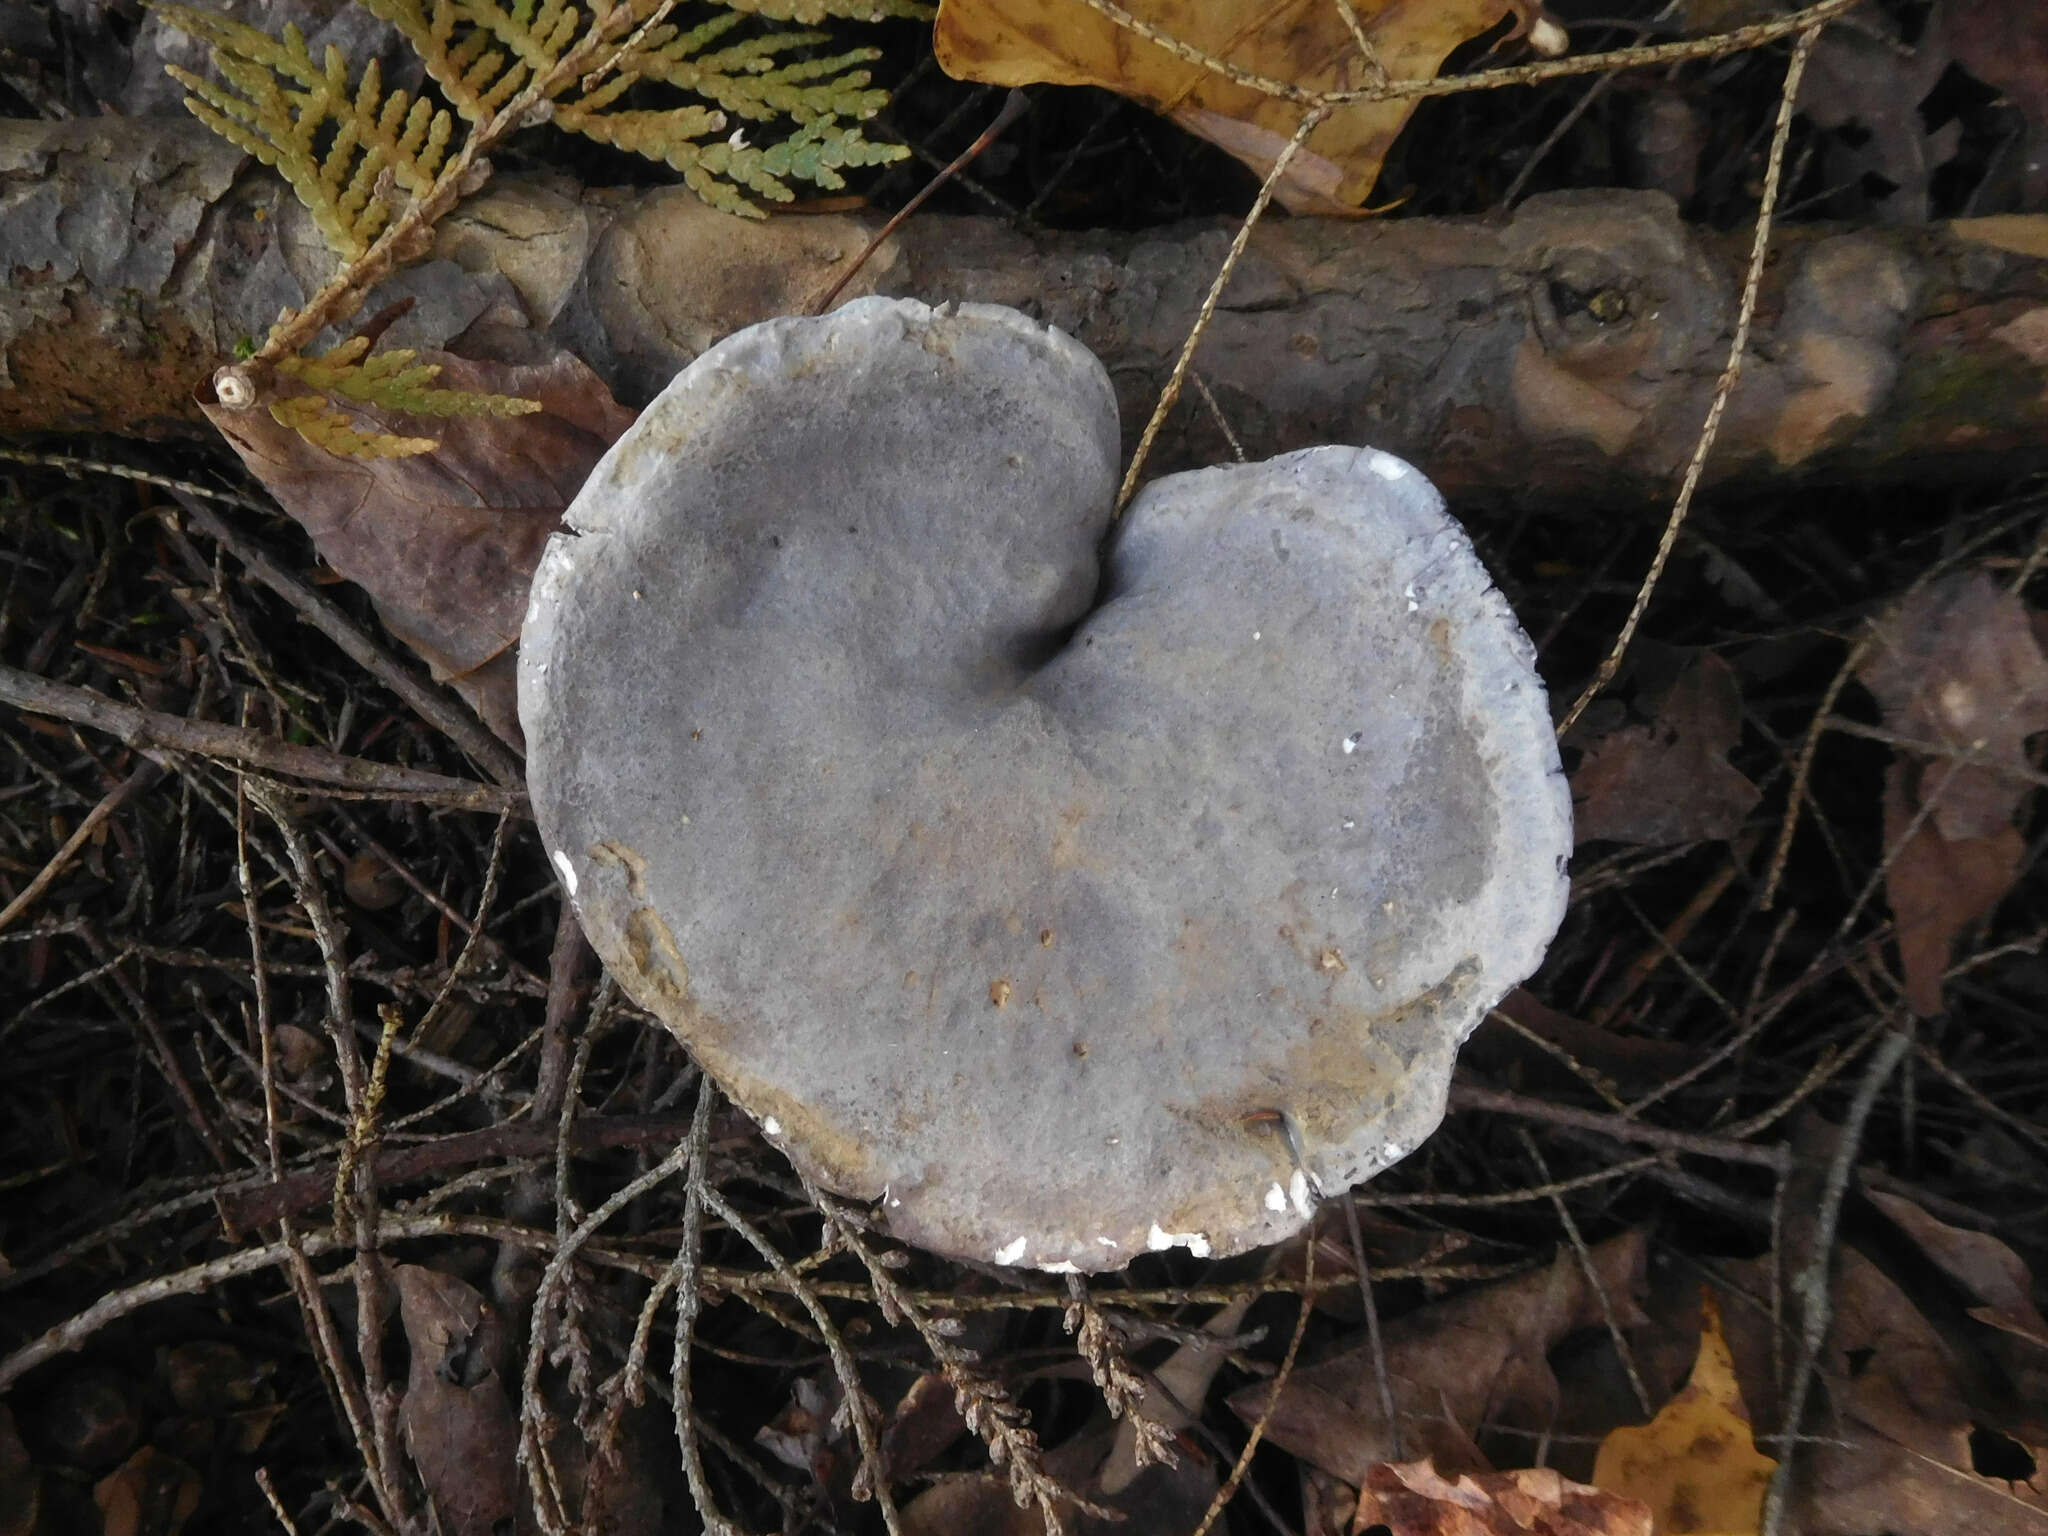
point(1566, 350)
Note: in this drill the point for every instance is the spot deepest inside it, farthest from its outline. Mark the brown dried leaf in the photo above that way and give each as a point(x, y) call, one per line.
point(457, 1415)
point(926, 1421)
point(2004, 43)
point(1867, 80)
point(1413, 1499)
point(1956, 664)
point(1477, 1358)
point(1897, 1449)
point(1938, 888)
point(1996, 1278)
point(1896, 1375)
point(1020, 42)
point(1670, 781)
point(445, 541)
point(149, 1494)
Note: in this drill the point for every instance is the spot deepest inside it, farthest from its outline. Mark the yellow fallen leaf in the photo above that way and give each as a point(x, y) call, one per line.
point(1305, 43)
point(1695, 1464)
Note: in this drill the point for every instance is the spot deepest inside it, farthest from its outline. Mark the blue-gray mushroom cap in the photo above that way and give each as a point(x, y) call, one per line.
point(1065, 891)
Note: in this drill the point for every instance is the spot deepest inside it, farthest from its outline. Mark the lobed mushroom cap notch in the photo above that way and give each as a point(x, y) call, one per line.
point(1068, 906)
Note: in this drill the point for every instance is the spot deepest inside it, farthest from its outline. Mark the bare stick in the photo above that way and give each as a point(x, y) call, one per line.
point(303, 1190)
point(140, 728)
point(1727, 1149)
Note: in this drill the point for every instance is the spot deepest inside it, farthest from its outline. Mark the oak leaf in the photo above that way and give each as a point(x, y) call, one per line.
point(1695, 1464)
point(1303, 43)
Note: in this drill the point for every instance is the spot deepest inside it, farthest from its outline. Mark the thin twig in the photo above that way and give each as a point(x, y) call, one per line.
point(1727, 1149)
point(1723, 387)
point(1013, 108)
point(440, 709)
point(145, 775)
point(1230, 1484)
point(76, 1330)
point(683, 1275)
point(1382, 1379)
point(1735, 40)
point(73, 465)
point(1593, 1281)
point(302, 1190)
point(984, 1403)
point(1181, 364)
point(1811, 1286)
point(530, 1405)
point(857, 1404)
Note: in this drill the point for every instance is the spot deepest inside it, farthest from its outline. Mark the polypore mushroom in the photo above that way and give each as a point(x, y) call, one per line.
point(1065, 903)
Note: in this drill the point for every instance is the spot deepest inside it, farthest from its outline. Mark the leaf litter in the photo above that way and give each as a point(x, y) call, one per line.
point(445, 541)
point(1669, 781)
point(1695, 1465)
point(1930, 1405)
point(1960, 675)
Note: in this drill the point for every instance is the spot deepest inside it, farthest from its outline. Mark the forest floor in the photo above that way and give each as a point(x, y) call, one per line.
point(1789, 1049)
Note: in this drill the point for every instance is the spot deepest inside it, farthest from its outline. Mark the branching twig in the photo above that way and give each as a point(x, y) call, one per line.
point(984, 1403)
point(1103, 1346)
point(859, 1410)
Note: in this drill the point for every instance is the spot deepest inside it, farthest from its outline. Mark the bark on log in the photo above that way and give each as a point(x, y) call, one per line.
point(1565, 351)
